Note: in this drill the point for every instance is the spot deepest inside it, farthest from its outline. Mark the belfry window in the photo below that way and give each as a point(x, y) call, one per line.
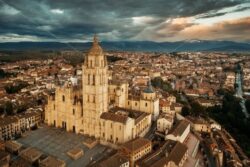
point(63, 98)
point(88, 79)
point(75, 100)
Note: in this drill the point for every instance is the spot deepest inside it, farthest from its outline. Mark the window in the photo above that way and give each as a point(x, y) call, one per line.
point(111, 137)
point(93, 79)
point(54, 106)
point(91, 63)
point(93, 99)
point(103, 134)
point(88, 99)
point(146, 104)
point(82, 112)
point(128, 102)
point(73, 111)
point(135, 104)
point(75, 99)
point(63, 98)
point(120, 127)
point(88, 79)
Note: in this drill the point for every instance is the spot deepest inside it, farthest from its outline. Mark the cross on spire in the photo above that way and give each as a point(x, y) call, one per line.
point(95, 39)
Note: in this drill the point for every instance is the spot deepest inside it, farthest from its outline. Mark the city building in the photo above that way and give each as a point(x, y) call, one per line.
point(136, 149)
point(13, 126)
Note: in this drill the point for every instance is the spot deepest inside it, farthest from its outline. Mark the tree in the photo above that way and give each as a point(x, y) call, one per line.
point(197, 109)
point(159, 83)
point(185, 111)
point(14, 88)
point(9, 108)
point(247, 103)
point(230, 116)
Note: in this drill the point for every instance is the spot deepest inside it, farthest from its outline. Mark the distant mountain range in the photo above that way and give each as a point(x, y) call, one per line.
point(192, 45)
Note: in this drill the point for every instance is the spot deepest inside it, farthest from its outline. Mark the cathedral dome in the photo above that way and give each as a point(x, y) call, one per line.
point(149, 88)
point(96, 49)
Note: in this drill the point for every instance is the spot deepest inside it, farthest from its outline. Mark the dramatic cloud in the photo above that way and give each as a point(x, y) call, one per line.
point(78, 20)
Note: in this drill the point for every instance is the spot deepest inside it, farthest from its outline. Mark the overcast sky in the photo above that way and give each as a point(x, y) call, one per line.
point(124, 20)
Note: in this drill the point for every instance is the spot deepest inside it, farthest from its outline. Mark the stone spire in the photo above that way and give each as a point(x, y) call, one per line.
point(96, 49)
point(95, 40)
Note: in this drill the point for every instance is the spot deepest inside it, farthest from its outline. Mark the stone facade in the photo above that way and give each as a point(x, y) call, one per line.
point(87, 108)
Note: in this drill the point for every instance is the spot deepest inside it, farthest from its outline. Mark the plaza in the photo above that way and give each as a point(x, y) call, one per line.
point(56, 142)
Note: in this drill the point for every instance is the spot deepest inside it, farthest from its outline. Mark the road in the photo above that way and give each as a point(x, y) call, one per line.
point(239, 93)
point(151, 132)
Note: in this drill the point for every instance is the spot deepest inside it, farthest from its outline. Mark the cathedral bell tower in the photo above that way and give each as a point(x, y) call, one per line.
point(95, 89)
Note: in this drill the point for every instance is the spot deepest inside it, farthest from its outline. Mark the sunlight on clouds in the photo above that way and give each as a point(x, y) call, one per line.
point(142, 20)
point(6, 9)
point(11, 37)
point(45, 28)
point(230, 12)
point(57, 11)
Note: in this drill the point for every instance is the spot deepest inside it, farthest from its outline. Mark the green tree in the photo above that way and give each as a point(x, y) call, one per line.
point(9, 108)
point(185, 111)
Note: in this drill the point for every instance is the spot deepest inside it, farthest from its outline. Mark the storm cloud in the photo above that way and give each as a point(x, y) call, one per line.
point(78, 20)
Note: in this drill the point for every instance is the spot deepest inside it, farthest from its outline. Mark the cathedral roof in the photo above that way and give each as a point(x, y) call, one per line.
point(114, 117)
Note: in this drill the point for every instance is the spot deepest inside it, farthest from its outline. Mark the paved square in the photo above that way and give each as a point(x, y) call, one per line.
point(56, 142)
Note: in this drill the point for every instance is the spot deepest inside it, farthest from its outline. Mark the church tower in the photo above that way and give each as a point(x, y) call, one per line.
point(95, 89)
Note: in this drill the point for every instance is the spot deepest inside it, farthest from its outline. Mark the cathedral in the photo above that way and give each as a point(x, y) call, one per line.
point(100, 106)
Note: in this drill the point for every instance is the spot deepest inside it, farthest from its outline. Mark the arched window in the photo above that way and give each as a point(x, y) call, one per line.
point(88, 79)
point(63, 98)
point(91, 64)
point(75, 99)
point(146, 104)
